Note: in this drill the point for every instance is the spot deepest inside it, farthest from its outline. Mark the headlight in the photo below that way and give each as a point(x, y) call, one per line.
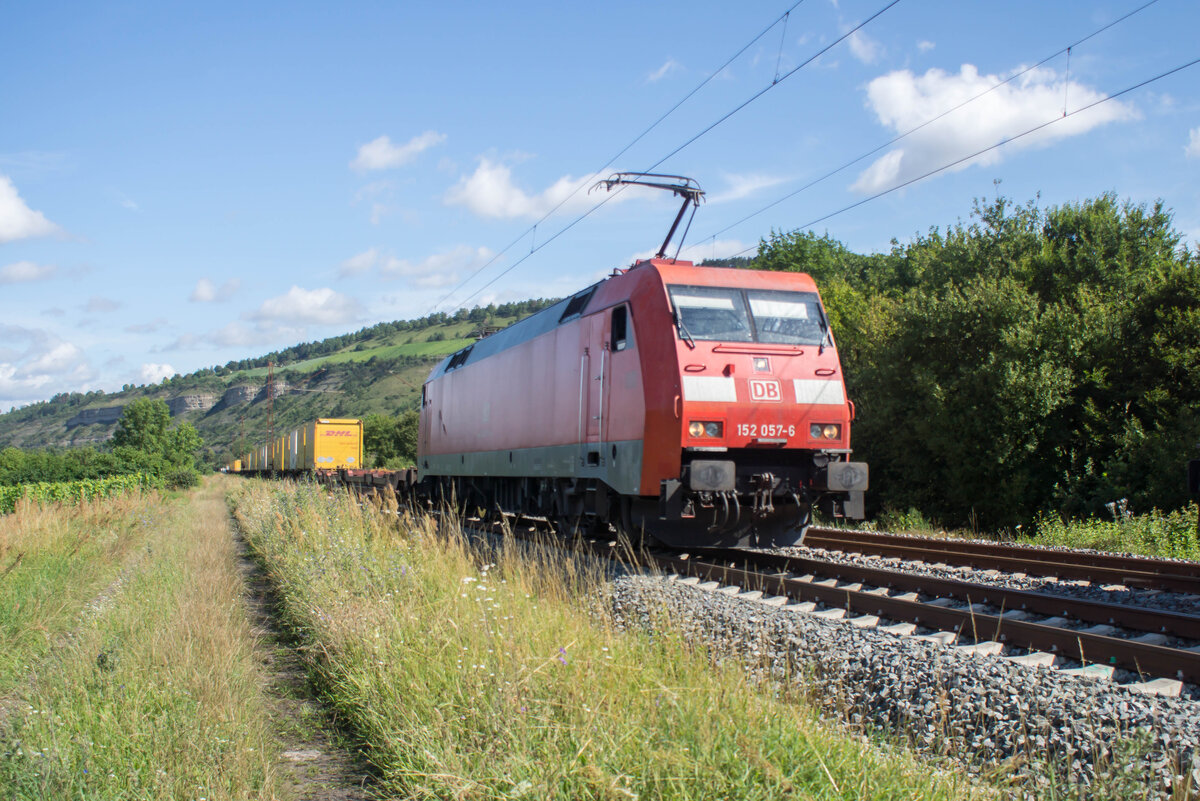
point(698, 428)
point(814, 431)
point(825, 431)
point(832, 432)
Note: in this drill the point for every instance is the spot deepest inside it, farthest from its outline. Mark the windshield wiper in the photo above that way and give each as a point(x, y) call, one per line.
point(684, 334)
point(826, 333)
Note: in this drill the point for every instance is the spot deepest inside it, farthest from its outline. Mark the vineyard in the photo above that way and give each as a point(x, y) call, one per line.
point(88, 489)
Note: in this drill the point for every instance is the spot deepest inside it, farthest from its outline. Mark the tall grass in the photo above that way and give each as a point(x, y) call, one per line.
point(1171, 535)
point(497, 680)
point(160, 696)
point(53, 561)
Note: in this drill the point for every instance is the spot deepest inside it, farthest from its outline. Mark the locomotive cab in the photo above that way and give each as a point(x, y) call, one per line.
point(762, 420)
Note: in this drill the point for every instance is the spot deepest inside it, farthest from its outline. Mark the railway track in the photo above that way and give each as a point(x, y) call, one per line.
point(1158, 650)
point(1097, 568)
point(1161, 648)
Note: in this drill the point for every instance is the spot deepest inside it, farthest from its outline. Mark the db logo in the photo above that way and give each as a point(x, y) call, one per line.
point(765, 390)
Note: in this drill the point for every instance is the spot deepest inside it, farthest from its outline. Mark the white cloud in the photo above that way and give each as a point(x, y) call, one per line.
point(381, 154)
point(98, 304)
point(744, 185)
point(299, 307)
point(147, 328)
point(36, 363)
point(60, 357)
point(153, 373)
point(206, 291)
point(864, 48)
point(183, 342)
point(670, 66)
point(17, 220)
point(125, 201)
point(24, 271)
point(1192, 150)
point(902, 101)
point(925, 45)
point(490, 192)
point(356, 265)
point(439, 269)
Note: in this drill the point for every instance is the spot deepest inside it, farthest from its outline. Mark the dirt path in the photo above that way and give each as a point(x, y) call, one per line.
point(315, 765)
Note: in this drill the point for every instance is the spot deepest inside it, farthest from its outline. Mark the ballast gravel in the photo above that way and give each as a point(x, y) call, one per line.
point(981, 711)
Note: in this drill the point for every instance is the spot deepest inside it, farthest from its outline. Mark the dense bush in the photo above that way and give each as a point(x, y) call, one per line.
point(391, 442)
point(181, 478)
point(1030, 360)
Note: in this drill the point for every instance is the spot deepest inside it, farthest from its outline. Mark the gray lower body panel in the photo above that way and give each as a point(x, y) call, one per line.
point(617, 464)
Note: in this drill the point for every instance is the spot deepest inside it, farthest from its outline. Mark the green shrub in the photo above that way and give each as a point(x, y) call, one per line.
point(1171, 535)
point(182, 478)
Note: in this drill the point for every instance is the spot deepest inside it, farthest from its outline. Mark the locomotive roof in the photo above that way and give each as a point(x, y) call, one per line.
point(531, 327)
point(550, 318)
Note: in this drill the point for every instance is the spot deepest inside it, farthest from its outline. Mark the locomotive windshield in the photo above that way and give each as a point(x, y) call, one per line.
point(748, 315)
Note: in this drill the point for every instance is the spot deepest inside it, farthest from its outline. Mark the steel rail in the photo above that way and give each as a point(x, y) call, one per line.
point(1140, 573)
point(1143, 658)
point(1125, 616)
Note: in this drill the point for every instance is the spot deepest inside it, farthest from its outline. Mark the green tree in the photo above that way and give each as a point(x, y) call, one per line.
point(144, 436)
point(391, 441)
point(143, 426)
point(1026, 360)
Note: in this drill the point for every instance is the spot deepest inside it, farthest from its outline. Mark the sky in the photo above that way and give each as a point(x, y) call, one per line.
point(186, 184)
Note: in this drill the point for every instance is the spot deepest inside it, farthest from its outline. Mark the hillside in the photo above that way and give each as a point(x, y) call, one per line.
point(377, 369)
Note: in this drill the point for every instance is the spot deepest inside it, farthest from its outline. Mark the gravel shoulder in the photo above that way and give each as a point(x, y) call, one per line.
point(1049, 731)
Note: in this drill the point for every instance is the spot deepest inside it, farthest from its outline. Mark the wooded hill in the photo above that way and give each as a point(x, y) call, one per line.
point(378, 369)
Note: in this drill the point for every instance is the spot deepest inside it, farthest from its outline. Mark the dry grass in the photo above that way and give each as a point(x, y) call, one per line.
point(53, 561)
point(160, 697)
point(469, 680)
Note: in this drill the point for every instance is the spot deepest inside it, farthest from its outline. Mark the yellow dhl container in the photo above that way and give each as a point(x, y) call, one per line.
point(328, 444)
point(236, 467)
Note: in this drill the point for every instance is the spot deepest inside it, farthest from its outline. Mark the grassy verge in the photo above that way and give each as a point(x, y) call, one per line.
point(53, 560)
point(1171, 535)
point(494, 681)
point(158, 697)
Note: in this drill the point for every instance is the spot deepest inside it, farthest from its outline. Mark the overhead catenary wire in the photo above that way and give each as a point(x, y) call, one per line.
point(612, 159)
point(846, 35)
point(930, 121)
point(988, 149)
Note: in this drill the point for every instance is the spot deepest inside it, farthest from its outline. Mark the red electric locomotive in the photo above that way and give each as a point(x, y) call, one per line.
point(702, 406)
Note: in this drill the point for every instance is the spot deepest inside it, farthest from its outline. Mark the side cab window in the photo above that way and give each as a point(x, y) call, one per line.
point(619, 332)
